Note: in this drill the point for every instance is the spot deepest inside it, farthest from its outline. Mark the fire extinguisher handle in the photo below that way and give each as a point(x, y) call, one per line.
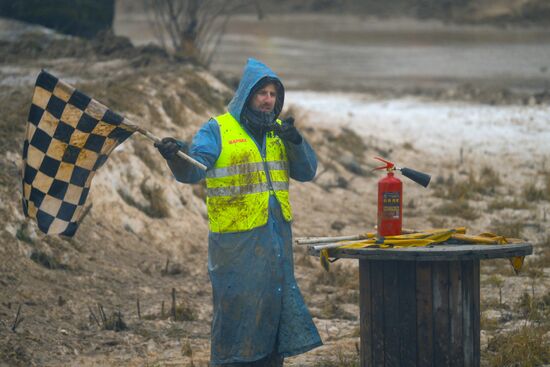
point(418, 177)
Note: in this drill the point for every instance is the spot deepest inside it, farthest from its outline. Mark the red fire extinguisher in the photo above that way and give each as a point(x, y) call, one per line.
point(390, 197)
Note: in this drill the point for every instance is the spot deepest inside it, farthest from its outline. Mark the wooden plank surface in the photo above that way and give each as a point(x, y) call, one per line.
point(365, 310)
point(433, 253)
point(455, 308)
point(391, 315)
point(467, 310)
point(377, 312)
point(424, 317)
point(476, 312)
point(407, 313)
point(419, 313)
point(440, 276)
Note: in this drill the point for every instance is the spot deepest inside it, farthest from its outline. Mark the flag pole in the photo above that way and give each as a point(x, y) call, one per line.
point(156, 139)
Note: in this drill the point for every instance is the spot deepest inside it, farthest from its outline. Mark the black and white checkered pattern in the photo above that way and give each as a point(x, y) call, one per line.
point(69, 136)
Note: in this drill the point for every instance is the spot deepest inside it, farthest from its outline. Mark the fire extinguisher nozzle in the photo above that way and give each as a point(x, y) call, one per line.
point(418, 177)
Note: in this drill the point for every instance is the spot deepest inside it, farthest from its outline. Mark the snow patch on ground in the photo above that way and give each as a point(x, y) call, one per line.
point(436, 128)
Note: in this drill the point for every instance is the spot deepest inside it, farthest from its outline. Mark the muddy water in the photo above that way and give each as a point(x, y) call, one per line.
point(352, 53)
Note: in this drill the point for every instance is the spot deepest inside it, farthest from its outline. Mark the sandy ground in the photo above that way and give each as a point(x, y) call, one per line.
point(146, 234)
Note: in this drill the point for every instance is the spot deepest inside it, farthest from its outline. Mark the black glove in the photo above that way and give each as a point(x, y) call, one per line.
point(288, 132)
point(168, 147)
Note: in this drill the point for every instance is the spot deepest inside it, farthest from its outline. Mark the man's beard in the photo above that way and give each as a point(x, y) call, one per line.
point(258, 121)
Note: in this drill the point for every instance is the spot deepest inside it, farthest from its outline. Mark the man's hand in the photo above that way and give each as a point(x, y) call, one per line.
point(288, 132)
point(168, 147)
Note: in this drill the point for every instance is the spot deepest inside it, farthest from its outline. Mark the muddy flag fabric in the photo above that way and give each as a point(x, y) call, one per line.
point(69, 137)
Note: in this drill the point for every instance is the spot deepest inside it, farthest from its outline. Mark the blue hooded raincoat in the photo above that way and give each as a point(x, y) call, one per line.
point(258, 308)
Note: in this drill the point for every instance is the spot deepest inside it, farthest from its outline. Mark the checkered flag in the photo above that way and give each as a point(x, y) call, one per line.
point(69, 136)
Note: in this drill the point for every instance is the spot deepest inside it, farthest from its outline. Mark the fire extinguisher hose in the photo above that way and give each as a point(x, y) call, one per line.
point(419, 239)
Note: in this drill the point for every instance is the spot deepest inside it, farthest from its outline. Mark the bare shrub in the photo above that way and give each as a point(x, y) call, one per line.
point(193, 28)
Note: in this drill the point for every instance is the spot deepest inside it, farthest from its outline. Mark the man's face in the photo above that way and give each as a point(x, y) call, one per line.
point(264, 99)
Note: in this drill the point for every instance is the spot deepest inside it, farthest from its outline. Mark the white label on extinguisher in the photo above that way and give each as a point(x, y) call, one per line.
point(390, 205)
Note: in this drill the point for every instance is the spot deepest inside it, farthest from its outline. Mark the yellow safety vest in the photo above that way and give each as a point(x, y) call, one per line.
point(237, 186)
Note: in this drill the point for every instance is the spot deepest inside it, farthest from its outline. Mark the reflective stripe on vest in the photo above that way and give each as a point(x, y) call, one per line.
point(238, 187)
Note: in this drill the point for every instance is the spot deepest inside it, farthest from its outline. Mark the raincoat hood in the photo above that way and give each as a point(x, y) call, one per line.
point(254, 71)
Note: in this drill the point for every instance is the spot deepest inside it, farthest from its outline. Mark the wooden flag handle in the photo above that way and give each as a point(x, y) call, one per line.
point(179, 153)
point(156, 139)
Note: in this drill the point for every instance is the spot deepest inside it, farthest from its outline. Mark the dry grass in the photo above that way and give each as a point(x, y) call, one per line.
point(526, 347)
point(499, 204)
point(145, 151)
point(156, 205)
point(303, 258)
point(484, 182)
point(496, 281)
point(348, 140)
point(122, 94)
point(528, 344)
point(174, 107)
point(184, 312)
point(15, 353)
point(507, 228)
point(338, 276)
point(330, 310)
point(542, 258)
point(438, 221)
point(47, 261)
point(458, 208)
point(342, 359)
point(23, 234)
point(347, 296)
point(488, 324)
point(500, 267)
point(533, 191)
point(208, 95)
point(408, 146)
point(15, 104)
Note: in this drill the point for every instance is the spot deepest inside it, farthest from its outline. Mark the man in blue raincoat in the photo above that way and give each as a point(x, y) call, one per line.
point(259, 315)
